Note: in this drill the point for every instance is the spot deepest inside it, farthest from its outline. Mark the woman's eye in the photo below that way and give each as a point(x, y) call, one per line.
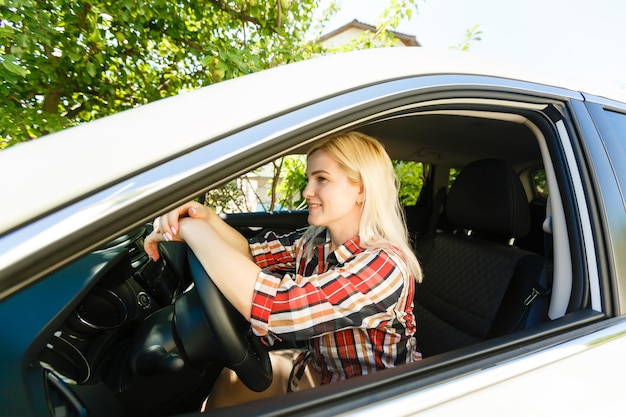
point(317, 180)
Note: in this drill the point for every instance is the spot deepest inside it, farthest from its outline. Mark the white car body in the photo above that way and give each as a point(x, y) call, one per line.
point(65, 195)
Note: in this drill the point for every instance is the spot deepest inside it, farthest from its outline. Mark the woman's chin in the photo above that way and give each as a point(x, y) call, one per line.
point(312, 221)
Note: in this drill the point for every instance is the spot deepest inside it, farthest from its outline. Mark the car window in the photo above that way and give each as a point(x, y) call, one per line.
point(452, 174)
point(615, 143)
point(411, 177)
point(278, 186)
point(540, 184)
point(538, 177)
point(275, 186)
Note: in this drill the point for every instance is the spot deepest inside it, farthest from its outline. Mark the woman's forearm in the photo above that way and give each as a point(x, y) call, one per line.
point(230, 268)
point(229, 234)
point(169, 223)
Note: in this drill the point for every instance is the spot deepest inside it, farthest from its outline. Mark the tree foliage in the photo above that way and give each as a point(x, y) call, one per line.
point(64, 62)
point(411, 177)
point(229, 198)
point(293, 181)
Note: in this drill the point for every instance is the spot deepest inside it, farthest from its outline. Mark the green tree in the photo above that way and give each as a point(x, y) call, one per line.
point(64, 62)
point(411, 177)
point(293, 181)
point(541, 183)
point(230, 198)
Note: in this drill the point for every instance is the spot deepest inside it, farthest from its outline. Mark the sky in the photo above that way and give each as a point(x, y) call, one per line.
point(583, 38)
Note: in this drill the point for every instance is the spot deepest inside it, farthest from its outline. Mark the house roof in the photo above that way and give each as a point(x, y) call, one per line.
point(407, 40)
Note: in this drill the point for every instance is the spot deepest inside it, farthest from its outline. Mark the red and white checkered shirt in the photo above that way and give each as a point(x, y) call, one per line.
point(353, 306)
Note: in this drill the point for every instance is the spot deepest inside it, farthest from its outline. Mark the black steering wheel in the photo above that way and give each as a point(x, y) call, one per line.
point(227, 337)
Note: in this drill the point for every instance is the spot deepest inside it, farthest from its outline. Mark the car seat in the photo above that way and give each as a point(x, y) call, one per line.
point(475, 280)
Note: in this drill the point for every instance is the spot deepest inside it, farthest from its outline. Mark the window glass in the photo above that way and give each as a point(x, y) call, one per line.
point(618, 123)
point(540, 183)
point(538, 176)
point(452, 174)
point(275, 186)
point(614, 137)
point(278, 186)
point(411, 177)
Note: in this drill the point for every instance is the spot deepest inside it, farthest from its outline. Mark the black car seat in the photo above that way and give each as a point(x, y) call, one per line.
point(475, 281)
point(534, 241)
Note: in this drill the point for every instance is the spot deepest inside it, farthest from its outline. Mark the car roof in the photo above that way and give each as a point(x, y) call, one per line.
point(49, 172)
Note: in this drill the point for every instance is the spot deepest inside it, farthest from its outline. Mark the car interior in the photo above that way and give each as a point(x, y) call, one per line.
point(484, 228)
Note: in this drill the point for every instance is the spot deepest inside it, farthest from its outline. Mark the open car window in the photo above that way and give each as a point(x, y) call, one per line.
point(277, 186)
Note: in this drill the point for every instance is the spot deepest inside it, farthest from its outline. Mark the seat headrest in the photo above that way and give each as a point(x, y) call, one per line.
point(488, 196)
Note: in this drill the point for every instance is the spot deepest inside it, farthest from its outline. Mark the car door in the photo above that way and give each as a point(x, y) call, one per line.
point(548, 362)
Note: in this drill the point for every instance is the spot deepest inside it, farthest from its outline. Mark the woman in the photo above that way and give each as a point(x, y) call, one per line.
point(344, 285)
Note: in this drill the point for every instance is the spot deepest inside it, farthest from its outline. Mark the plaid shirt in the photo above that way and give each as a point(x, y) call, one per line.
point(354, 306)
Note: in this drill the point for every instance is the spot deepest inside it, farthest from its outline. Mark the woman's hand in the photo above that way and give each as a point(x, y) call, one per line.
point(223, 251)
point(151, 244)
point(168, 223)
point(166, 227)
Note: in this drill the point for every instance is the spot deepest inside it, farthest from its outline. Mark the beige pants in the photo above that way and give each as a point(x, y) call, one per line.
point(229, 390)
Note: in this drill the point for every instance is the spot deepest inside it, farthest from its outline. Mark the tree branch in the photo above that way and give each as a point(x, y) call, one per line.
point(237, 14)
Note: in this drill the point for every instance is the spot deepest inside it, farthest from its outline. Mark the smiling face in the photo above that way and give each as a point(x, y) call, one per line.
point(332, 198)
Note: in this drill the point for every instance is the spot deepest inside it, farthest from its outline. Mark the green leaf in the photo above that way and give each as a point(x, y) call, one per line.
point(9, 62)
point(207, 60)
point(17, 51)
point(92, 70)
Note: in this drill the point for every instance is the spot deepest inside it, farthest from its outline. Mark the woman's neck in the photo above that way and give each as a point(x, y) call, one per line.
point(339, 238)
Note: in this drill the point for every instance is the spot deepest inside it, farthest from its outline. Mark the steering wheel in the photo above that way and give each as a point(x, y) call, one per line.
point(227, 337)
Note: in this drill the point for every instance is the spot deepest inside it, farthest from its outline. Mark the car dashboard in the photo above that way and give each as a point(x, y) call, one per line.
point(88, 355)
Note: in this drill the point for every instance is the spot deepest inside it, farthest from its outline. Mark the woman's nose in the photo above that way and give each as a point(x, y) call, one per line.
point(307, 192)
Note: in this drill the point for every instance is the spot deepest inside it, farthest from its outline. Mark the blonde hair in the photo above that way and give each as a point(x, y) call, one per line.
point(365, 162)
